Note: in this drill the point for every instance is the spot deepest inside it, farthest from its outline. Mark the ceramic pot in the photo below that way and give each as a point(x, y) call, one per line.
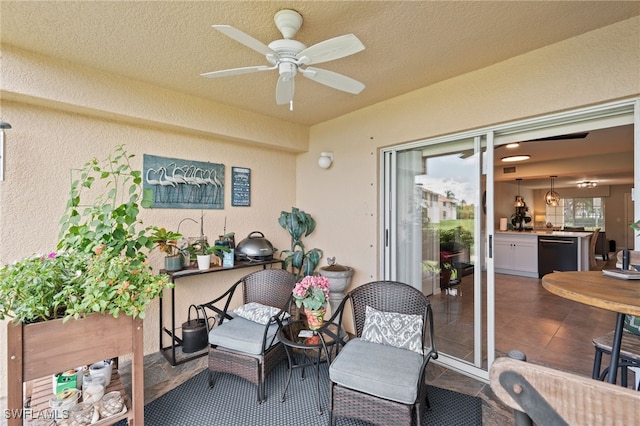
point(102, 368)
point(204, 261)
point(339, 277)
point(173, 263)
point(314, 318)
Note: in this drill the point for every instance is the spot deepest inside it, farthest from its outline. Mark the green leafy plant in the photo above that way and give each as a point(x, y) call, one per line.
point(455, 239)
point(74, 284)
point(298, 224)
point(166, 241)
point(203, 247)
point(100, 265)
point(107, 214)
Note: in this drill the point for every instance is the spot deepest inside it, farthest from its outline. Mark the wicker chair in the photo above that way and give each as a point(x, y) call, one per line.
point(241, 346)
point(382, 382)
point(553, 397)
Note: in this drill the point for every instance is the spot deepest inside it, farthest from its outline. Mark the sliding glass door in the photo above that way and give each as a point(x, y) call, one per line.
point(439, 200)
point(435, 204)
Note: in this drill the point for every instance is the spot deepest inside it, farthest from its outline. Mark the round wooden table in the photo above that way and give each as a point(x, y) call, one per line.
point(595, 289)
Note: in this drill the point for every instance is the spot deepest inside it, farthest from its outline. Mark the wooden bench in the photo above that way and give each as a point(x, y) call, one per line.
point(553, 397)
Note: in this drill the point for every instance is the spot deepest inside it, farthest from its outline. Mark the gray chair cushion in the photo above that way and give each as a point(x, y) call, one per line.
point(380, 370)
point(241, 335)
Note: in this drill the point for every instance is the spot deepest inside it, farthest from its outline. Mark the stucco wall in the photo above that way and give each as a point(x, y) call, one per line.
point(45, 143)
point(596, 67)
point(53, 131)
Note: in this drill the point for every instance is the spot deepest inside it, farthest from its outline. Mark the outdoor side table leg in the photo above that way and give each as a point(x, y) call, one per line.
point(317, 366)
point(291, 365)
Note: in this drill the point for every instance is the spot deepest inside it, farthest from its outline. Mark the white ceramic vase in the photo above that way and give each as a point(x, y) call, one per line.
point(204, 261)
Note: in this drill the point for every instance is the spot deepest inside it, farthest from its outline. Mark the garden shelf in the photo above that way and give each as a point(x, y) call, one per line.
point(37, 351)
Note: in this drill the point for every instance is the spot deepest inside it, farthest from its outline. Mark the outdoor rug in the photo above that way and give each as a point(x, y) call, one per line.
point(233, 402)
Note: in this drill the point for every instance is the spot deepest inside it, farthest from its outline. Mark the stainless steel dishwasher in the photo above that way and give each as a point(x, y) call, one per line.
point(557, 254)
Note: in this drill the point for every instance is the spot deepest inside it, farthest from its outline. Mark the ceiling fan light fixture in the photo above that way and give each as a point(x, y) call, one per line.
point(290, 56)
point(514, 158)
point(552, 198)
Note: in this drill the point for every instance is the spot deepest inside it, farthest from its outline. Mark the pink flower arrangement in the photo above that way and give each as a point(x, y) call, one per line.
point(312, 292)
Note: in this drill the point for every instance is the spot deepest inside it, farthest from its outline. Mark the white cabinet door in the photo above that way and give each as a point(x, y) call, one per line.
point(503, 254)
point(516, 254)
point(526, 256)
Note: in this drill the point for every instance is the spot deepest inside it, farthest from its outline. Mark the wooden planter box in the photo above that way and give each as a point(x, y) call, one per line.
point(39, 350)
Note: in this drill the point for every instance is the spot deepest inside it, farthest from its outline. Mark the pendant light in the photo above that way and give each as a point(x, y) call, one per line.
point(519, 200)
point(552, 198)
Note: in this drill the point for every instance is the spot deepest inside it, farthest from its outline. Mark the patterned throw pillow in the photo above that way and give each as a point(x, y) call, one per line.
point(257, 312)
point(632, 324)
point(393, 329)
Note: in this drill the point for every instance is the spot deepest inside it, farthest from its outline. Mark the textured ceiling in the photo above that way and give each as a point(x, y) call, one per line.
point(409, 44)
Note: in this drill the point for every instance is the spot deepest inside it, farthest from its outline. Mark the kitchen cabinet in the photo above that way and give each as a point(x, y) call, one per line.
point(516, 254)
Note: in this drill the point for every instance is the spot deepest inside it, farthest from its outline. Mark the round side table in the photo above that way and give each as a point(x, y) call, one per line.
point(308, 347)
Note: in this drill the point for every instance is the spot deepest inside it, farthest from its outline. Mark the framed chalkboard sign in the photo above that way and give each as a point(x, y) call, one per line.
point(240, 186)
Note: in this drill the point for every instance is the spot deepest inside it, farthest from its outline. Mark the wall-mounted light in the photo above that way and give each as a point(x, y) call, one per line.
point(3, 126)
point(325, 160)
point(587, 184)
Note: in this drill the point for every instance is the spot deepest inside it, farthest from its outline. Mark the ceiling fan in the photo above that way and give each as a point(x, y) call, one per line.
point(290, 57)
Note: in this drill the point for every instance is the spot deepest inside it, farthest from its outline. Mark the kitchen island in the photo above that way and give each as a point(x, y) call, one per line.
point(534, 253)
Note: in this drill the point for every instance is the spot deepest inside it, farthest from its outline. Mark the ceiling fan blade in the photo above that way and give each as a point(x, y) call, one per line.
point(246, 39)
point(285, 89)
point(333, 79)
point(236, 71)
point(328, 50)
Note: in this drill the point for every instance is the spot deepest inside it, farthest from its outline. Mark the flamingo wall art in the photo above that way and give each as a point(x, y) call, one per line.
point(184, 184)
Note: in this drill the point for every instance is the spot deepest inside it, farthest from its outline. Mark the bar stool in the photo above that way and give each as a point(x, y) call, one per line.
point(629, 356)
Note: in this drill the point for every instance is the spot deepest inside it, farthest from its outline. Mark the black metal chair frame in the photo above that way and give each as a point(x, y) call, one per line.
point(629, 355)
point(271, 287)
point(388, 296)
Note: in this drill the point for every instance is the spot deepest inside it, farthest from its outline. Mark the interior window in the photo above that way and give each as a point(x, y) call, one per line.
point(577, 212)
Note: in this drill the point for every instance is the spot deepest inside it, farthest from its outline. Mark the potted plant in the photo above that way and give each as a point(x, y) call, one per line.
point(448, 271)
point(98, 272)
point(100, 265)
point(298, 224)
point(203, 251)
point(312, 292)
point(167, 242)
